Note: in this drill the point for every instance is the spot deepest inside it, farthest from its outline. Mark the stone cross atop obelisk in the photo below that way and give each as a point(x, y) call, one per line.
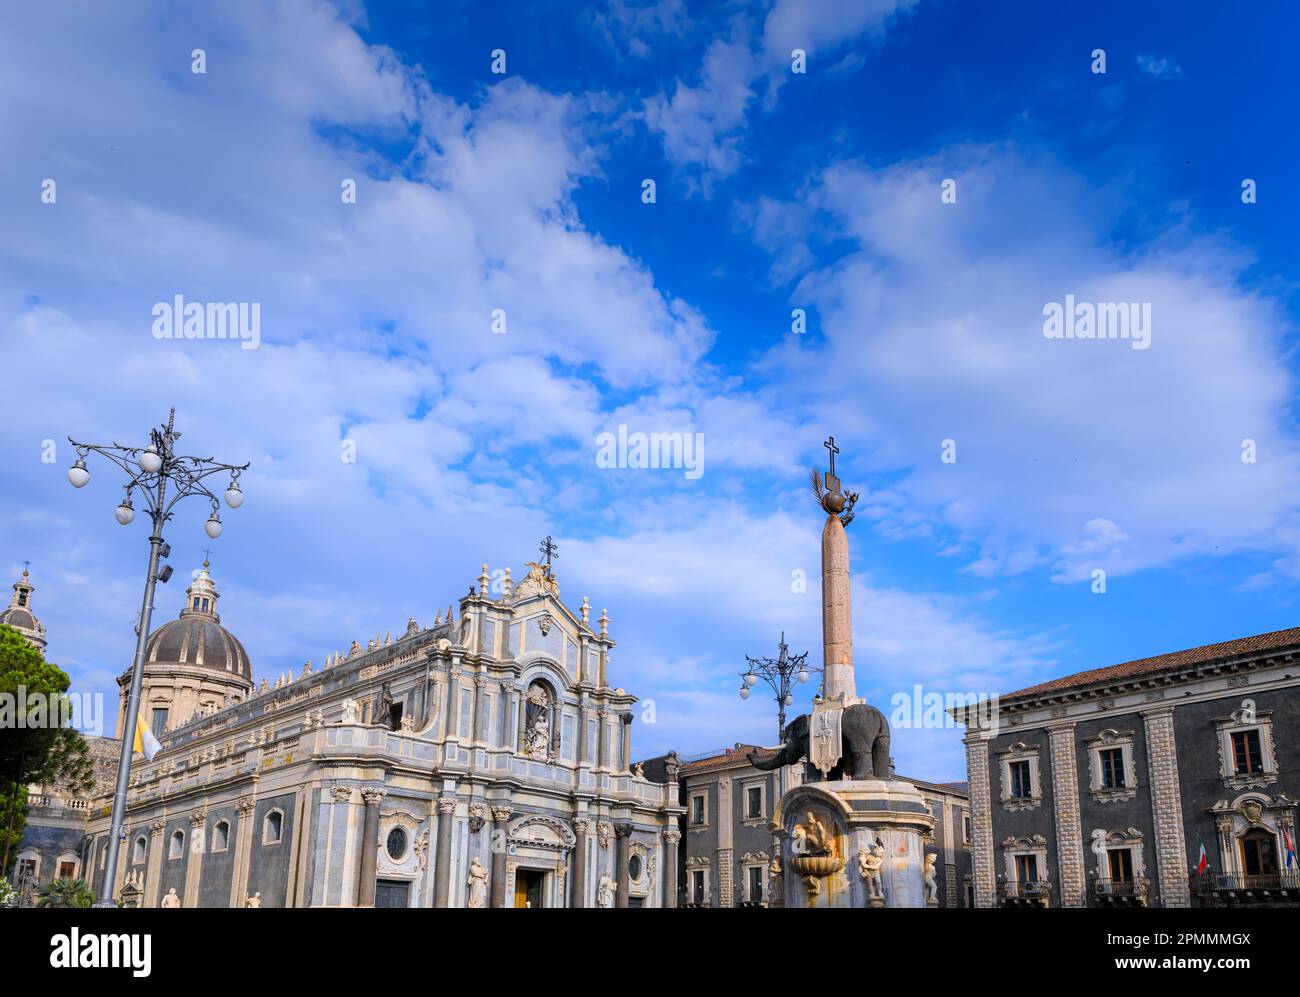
point(837, 613)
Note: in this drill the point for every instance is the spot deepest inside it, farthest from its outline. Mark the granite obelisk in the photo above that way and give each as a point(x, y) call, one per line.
point(837, 611)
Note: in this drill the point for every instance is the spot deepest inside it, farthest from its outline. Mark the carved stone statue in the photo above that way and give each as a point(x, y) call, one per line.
point(478, 884)
point(605, 892)
point(638, 770)
point(384, 710)
point(931, 884)
point(349, 711)
point(171, 900)
point(537, 730)
point(408, 724)
point(536, 582)
point(254, 901)
point(539, 740)
point(811, 837)
point(864, 746)
point(1099, 849)
point(870, 863)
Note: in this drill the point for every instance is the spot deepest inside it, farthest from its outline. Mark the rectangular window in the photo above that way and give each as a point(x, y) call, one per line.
point(395, 717)
point(1247, 755)
point(1020, 788)
point(755, 884)
point(1121, 865)
point(1027, 868)
point(1112, 768)
point(754, 802)
point(697, 886)
point(1259, 853)
point(697, 809)
point(966, 829)
point(159, 722)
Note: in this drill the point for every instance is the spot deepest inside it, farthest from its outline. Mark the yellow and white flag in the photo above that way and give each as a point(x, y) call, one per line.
point(145, 743)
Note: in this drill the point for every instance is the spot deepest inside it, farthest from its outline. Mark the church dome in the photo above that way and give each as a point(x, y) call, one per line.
point(197, 638)
point(18, 614)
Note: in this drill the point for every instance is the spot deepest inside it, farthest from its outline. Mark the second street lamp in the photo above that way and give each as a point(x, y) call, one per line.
point(150, 469)
point(777, 673)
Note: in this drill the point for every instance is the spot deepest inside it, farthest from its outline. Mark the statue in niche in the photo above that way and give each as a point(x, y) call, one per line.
point(537, 725)
point(171, 900)
point(605, 892)
point(811, 838)
point(931, 883)
point(478, 885)
point(383, 715)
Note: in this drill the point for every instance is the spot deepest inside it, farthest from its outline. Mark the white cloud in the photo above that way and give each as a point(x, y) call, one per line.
point(1160, 66)
point(1133, 457)
point(702, 125)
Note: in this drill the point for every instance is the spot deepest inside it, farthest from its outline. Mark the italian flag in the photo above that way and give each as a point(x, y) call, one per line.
point(1204, 862)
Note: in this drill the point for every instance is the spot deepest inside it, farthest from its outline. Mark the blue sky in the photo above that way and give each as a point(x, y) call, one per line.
point(775, 191)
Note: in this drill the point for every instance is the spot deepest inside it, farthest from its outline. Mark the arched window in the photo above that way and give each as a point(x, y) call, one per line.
point(176, 847)
point(272, 827)
point(139, 851)
point(221, 836)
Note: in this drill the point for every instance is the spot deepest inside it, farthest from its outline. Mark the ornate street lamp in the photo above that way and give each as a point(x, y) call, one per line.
point(149, 470)
point(777, 673)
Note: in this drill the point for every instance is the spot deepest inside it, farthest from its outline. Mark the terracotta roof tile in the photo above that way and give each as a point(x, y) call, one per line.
point(732, 756)
point(1278, 640)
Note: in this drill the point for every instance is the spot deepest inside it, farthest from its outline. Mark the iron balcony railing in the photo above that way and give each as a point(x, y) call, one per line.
point(1235, 882)
point(1134, 887)
point(1029, 889)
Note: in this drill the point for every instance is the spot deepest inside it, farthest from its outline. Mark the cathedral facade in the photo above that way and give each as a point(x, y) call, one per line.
point(484, 760)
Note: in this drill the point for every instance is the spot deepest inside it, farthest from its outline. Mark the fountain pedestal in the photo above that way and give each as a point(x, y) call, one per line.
point(855, 816)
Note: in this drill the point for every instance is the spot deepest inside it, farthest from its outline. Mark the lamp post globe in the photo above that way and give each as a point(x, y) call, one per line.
point(150, 460)
point(234, 496)
point(124, 513)
point(744, 692)
point(213, 526)
point(78, 474)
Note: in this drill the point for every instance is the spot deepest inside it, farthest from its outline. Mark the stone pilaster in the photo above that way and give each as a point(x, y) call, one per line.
point(1069, 832)
point(442, 860)
point(156, 846)
point(500, 817)
point(477, 734)
point(581, 825)
point(243, 839)
point(1167, 807)
point(196, 846)
point(672, 838)
point(602, 738)
point(981, 820)
point(726, 877)
point(621, 856)
point(369, 845)
point(627, 742)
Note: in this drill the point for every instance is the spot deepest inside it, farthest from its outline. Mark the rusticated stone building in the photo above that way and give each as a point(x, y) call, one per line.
point(1101, 788)
point(479, 761)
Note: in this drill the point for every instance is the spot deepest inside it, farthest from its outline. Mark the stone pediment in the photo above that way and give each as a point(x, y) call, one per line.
point(540, 831)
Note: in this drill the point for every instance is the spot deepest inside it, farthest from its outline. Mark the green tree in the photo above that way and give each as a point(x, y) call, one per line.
point(66, 893)
point(37, 745)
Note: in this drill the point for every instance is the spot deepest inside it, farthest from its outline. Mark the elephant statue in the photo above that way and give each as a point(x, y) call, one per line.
point(864, 751)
